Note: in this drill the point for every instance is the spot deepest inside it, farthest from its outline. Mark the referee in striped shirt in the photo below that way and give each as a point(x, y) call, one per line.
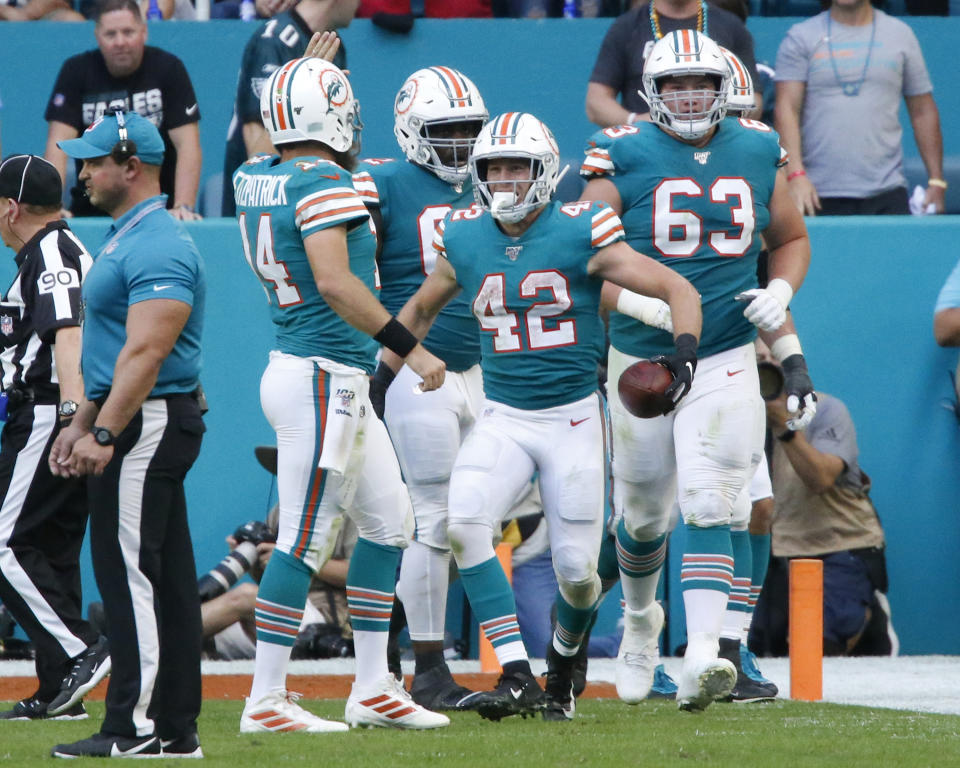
point(42, 517)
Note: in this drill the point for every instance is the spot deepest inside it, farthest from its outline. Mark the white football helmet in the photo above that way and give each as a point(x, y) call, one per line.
point(685, 52)
point(311, 100)
point(740, 98)
point(432, 99)
point(515, 135)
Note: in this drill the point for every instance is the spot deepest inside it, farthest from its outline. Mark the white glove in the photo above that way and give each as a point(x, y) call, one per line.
point(804, 409)
point(767, 307)
point(647, 310)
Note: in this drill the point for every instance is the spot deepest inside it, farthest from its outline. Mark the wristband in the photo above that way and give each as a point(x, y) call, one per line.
point(686, 344)
point(781, 290)
point(186, 207)
point(785, 346)
point(395, 337)
point(937, 183)
point(638, 306)
point(787, 436)
point(792, 176)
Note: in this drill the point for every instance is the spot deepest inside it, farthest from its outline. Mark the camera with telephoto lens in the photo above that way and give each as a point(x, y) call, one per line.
point(771, 380)
point(228, 572)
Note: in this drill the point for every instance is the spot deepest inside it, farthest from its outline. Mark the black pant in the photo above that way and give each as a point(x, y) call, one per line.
point(42, 523)
point(892, 202)
point(143, 561)
point(853, 581)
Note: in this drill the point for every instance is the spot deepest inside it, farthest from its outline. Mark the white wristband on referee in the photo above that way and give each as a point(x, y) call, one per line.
point(646, 309)
point(785, 346)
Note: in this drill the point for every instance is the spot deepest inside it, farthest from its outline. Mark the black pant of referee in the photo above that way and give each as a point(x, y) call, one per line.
point(42, 523)
point(143, 561)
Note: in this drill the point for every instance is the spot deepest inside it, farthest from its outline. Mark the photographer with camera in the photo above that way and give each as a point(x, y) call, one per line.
point(822, 509)
point(227, 608)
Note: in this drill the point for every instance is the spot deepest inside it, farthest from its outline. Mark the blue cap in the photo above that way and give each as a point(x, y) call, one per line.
point(101, 137)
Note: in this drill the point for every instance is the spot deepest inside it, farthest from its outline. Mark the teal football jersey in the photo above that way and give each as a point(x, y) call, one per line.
point(280, 204)
point(700, 211)
point(538, 309)
point(412, 200)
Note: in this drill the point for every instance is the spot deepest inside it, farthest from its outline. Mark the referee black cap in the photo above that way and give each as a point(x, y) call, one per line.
point(31, 180)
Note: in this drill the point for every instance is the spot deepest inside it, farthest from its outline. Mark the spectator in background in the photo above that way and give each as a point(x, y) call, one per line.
point(178, 10)
point(840, 78)
point(439, 9)
point(125, 72)
point(619, 66)
point(822, 509)
point(276, 42)
point(35, 10)
point(264, 9)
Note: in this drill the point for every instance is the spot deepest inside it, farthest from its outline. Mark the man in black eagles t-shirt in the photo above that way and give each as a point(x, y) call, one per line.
point(124, 72)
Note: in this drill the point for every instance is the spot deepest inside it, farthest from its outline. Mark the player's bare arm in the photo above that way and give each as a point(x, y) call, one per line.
point(351, 299)
point(605, 191)
point(423, 307)
point(786, 237)
point(620, 264)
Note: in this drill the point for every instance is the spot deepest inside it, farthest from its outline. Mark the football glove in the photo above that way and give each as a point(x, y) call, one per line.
point(767, 307)
point(801, 399)
point(379, 383)
point(682, 364)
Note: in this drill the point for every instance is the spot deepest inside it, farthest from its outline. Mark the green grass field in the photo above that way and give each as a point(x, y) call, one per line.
point(605, 733)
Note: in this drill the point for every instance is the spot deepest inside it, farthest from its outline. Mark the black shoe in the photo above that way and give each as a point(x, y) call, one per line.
point(184, 746)
point(89, 668)
point(105, 745)
point(436, 690)
point(517, 693)
point(34, 709)
point(561, 702)
point(745, 690)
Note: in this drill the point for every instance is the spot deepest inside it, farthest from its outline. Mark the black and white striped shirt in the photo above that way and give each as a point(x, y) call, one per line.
point(44, 296)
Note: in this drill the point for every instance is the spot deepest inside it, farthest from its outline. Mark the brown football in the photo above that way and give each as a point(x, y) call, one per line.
point(641, 389)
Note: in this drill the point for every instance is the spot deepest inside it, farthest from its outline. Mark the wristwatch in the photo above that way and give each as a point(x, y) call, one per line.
point(102, 435)
point(68, 408)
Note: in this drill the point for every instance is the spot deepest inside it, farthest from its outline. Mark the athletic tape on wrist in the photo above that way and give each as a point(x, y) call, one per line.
point(785, 346)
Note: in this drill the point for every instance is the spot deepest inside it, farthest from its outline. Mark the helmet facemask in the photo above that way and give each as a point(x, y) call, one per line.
point(680, 54)
point(511, 206)
point(431, 102)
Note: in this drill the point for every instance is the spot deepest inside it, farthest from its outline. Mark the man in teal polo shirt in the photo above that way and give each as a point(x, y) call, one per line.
point(137, 433)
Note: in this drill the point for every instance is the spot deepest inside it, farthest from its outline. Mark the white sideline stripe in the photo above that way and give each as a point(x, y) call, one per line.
point(916, 683)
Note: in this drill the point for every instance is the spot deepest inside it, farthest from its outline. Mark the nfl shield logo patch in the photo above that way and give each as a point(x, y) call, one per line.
point(6, 325)
point(513, 251)
point(701, 157)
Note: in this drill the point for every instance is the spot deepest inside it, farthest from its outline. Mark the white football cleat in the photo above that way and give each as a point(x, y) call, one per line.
point(639, 652)
point(701, 682)
point(278, 712)
point(387, 705)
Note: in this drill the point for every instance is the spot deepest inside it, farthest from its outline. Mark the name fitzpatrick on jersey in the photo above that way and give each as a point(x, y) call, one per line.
point(256, 191)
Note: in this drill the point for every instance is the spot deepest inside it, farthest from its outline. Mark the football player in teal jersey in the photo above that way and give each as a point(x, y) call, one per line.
point(308, 238)
point(533, 271)
point(695, 192)
point(438, 113)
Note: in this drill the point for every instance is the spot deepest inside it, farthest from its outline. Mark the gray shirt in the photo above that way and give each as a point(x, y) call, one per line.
point(852, 144)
